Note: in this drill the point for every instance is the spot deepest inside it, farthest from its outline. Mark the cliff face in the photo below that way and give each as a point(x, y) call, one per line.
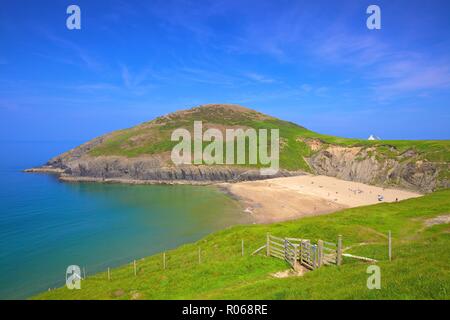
point(361, 164)
point(149, 169)
point(405, 170)
point(76, 164)
point(142, 153)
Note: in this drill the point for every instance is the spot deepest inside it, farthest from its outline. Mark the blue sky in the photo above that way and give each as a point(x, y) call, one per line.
point(311, 62)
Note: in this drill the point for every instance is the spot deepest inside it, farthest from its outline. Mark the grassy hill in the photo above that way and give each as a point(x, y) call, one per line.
point(420, 269)
point(153, 137)
point(143, 153)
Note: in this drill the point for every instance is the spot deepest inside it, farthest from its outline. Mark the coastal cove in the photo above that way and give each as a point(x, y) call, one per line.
point(47, 225)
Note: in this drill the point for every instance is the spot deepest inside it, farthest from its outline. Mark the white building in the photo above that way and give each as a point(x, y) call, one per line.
point(372, 137)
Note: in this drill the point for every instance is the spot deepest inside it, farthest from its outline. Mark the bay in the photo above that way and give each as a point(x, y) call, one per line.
point(47, 225)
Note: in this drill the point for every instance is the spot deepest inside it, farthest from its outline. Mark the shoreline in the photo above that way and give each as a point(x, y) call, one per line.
point(62, 176)
point(289, 198)
point(72, 179)
point(274, 199)
point(44, 169)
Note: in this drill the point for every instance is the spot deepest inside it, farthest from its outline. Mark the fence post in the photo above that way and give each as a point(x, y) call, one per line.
point(339, 251)
point(109, 274)
point(242, 247)
point(390, 245)
point(301, 252)
point(84, 273)
point(268, 245)
point(320, 252)
point(164, 260)
point(296, 266)
point(199, 256)
point(285, 252)
point(134, 265)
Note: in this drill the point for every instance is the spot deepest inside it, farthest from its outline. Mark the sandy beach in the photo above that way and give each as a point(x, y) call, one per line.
point(293, 197)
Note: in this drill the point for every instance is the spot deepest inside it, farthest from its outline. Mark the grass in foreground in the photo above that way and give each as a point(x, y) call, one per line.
point(420, 269)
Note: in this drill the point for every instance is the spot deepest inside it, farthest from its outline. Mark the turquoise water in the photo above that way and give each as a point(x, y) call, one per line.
point(46, 225)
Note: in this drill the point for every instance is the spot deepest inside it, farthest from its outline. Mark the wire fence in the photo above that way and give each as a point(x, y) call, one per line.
point(168, 260)
point(199, 255)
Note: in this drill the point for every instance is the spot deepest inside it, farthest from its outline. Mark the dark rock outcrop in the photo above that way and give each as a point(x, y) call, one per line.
point(152, 169)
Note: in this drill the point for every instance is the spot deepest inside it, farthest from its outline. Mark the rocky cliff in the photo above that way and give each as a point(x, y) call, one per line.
point(78, 163)
point(368, 165)
point(142, 154)
point(155, 170)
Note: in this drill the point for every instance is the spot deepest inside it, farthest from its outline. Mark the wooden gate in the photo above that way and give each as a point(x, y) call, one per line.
point(329, 253)
point(275, 247)
point(308, 254)
point(301, 252)
point(291, 253)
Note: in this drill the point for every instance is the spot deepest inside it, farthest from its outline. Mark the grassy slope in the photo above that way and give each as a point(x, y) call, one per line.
point(154, 137)
point(420, 269)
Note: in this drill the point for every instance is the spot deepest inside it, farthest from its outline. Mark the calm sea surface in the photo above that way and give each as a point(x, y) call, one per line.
point(46, 225)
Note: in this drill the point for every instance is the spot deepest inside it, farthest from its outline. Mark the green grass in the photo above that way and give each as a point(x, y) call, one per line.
point(420, 269)
point(154, 138)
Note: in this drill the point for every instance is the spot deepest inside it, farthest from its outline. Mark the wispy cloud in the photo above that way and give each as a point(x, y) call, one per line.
point(285, 33)
point(206, 75)
point(387, 71)
point(259, 77)
point(96, 87)
point(126, 84)
point(315, 90)
point(79, 53)
point(347, 48)
point(137, 83)
point(411, 76)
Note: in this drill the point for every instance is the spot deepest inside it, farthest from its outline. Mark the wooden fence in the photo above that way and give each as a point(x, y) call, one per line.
point(301, 252)
point(329, 253)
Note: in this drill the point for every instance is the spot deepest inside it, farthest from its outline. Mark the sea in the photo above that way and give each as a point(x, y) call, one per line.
point(47, 225)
